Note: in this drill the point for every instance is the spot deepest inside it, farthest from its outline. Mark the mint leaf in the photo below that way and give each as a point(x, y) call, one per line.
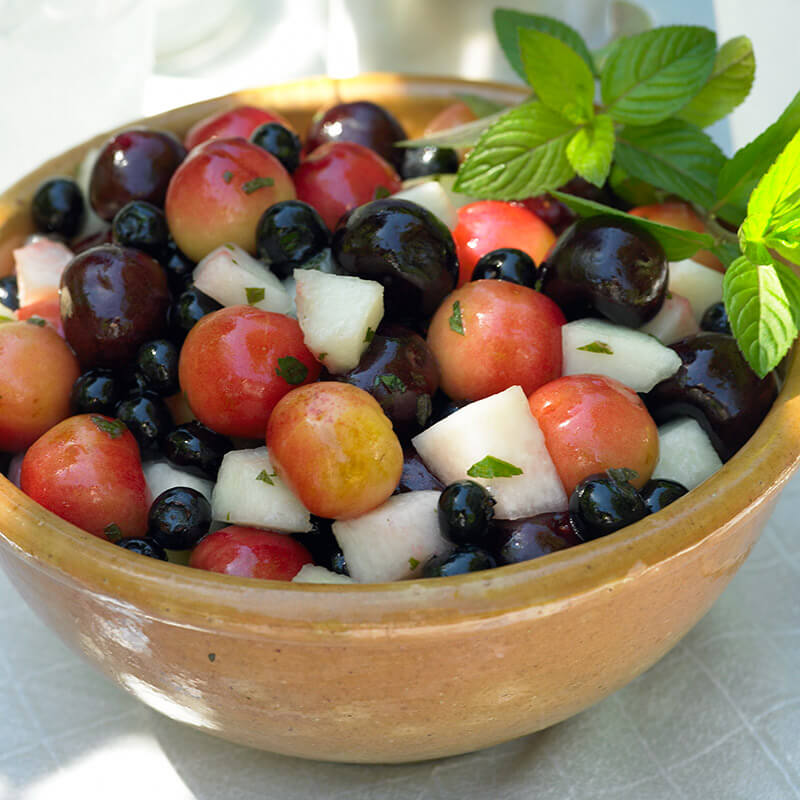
point(369, 335)
point(508, 22)
point(740, 175)
point(561, 78)
point(491, 467)
point(248, 187)
point(674, 156)
point(456, 323)
point(590, 150)
point(726, 252)
point(622, 474)
point(759, 312)
point(633, 190)
point(597, 347)
point(391, 382)
point(729, 84)
point(113, 532)
point(677, 243)
point(254, 294)
point(480, 106)
point(648, 77)
point(291, 370)
point(227, 176)
point(380, 192)
point(266, 477)
point(413, 563)
point(524, 153)
point(113, 427)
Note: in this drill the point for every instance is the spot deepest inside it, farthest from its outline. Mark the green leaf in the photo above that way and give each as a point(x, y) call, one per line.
point(677, 243)
point(523, 154)
point(291, 370)
point(591, 149)
point(248, 187)
point(648, 77)
point(740, 175)
point(507, 22)
point(369, 335)
point(254, 294)
point(113, 532)
point(726, 252)
point(465, 135)
point(491, 467)
point(632, 190)
point(560, 77)
point(597, 347)
point(729, 84)
point(113, 427)
point(413, 563)
point(227, 176)
point(674, 156)
point(391, 382)
point(456, 323)
point(266, 477)
point(759, 312)
point(622, 474)
point(480, 106)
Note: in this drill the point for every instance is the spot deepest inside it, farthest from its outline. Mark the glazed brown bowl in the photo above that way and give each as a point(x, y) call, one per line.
point(389, 672)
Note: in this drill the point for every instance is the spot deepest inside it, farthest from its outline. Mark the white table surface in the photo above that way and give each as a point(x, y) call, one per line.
point(717, 718)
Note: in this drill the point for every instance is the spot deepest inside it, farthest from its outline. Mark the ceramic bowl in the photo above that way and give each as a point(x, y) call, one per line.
point(391, 672)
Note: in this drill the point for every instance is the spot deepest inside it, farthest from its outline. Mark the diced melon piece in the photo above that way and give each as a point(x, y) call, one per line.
point(337, 314)
point(322, 261)
point(38, 267)
point(394, 540)
point(598, 347)
point(160, 476)
point(686, 454)
point(311, 573)
point(700, 285)
point(233, 277)
point(674, 321)
point(500, 426)
point(248, 492)
point(431, 195)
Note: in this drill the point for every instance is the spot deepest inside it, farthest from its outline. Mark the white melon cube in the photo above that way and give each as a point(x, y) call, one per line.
point(685, 453)
point(701, 286)
point(38, 267)
point(394, 540)
point(674, 321)
point(598, 347)
point(160, 476)
point(431, 195)
point(311, 573)
point(248, 492)
point(337, 314)
point(499, 427)
point(446, 181)
point(233, 277)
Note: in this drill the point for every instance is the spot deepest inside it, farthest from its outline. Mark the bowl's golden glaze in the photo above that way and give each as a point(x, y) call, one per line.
point(391, 672)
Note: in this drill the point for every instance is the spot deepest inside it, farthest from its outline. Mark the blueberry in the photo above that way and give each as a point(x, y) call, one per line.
point(9, 296)
point(660, 492)
point(600, 505)
point(197, 449)
point(143, 226)
point(157, 362)
point(179, 518)
point(178, 266)
point(517, 540)
point(148, 419)
point(465, 510)
point(322, 545)
point(280, 142)
point(58, 207)
point(506, 264)
point(467, 558)
point(429, 160)
point(187, 310)
point(96, 391)
point(715, 319)
point(145, 547)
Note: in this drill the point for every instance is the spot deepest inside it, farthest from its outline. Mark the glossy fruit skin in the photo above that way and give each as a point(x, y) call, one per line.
point(288, 234)
point(511, 335)
point(47, 308)
point(416, 477)
point(134, 165)
point(552, 212)
point(87, 470)
point(239, 121)
point(103, 236)
point(339, 176)
point(37, 372)
point(179, 517)
point(281, 142)
point(592, 423)
point(518, 540)
point(250, 553)
point(148, 419)
point(197, 449)
point(715, 386)
point(429, 160)
point(404, 247)
point(9, 296)
point(96, 391)
point(334, 446)
point(157, 361)
point(230, 370)
point(464, 559)
point(322, 545)
point(58, 207)
point(506, 264)
point(715, 319)
point(144, 547)
point(465, 510)
point(601, 505)
point(399, 370)
point(190, 307)
point(143, 226)
point(660, 492)
point(362, 122)
point(488, 225)
point(220, 191)
point(606, 266)
point(178, 266)
point(113, 299)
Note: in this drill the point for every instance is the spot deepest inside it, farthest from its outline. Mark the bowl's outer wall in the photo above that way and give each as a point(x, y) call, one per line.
point(404, 672)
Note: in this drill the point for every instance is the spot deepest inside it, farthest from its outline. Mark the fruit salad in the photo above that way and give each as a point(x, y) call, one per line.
point(340, 355)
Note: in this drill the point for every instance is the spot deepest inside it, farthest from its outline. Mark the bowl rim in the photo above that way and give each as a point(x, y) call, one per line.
point(245, 606)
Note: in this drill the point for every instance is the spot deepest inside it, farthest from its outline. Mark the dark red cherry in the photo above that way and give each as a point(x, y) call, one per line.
point(516, 540)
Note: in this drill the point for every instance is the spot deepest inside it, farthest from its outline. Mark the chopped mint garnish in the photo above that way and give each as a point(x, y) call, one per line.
point(227, 176)
point(255, 184)
point(255, 294)
point(622, 474)
point(267, 477)
point(38, 321)
point(491, 467)
point(291, 370)
point(413, 562)
point(391, 382)
point(113, 532)
point(424, 409)
point(597, 347)
point(113, 427)
point(380, 193)
point(369, 335)
point(456, 323)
